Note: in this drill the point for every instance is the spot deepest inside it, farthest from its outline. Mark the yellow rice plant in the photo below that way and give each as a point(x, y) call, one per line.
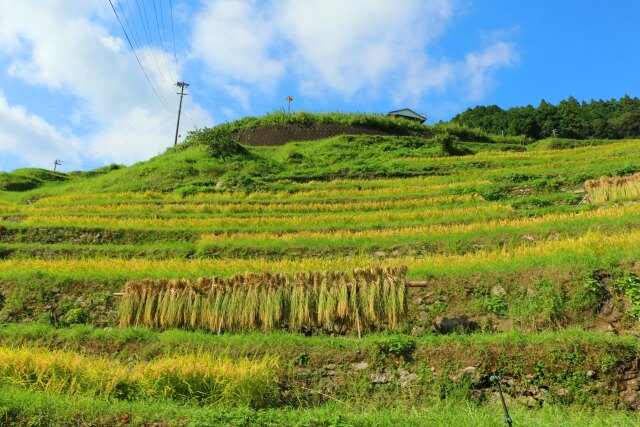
point(204, 377)
point(245, 302)
point(276, 222)
point(606, 189)
point(307, 191)
point(60, 372)
point(210, 379)
point(601, 243)
point(593, 241)
point(518, 223)
point(7, 207)
point(170, 208)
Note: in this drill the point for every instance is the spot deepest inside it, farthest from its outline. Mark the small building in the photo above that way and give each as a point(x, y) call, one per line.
point(408, 114)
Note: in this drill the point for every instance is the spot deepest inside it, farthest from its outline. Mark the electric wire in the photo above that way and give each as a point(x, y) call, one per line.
point(143, 18)
point(173, 37)
point(162, 33)
point(147, 30)
point(135, 35)
point(131, 128)
point(133, 29)
point(133, 49)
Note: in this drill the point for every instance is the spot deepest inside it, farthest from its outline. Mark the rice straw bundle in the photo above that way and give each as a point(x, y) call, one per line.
point(366, 298)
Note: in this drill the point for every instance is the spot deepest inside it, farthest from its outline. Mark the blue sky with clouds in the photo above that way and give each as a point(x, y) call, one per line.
point(71, 87)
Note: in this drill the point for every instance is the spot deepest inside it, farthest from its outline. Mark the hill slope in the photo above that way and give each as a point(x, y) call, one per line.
point(525, 268)
point(213, 160)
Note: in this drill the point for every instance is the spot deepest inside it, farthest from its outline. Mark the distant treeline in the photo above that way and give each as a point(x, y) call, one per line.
point(569, 119)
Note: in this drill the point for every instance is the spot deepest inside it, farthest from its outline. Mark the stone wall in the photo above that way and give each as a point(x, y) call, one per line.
point(282, 134)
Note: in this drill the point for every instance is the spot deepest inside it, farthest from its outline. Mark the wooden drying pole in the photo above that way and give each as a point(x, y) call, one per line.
point(417, 284)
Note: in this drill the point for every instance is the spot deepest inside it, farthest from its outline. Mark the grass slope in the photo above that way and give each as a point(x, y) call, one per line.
point(524, 274)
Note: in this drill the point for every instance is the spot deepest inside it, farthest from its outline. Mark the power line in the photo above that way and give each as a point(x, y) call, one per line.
point(134, 50)
point(173, 36)
point(136, 38)
point(147, 30)
point(160, 36)
point(134, 34)
point(121, 135)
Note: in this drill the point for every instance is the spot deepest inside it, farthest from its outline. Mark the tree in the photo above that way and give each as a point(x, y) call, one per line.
point(626, 124)
point(221, 141)
point(570, 119)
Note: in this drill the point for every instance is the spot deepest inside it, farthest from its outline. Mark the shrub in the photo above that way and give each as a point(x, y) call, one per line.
point(630, 285)
point(221, 141)
point(589, 298)
point(495, 193)
point(446, 141)
point(495, 304)
point(397, 345)
point(74, 316)
point(295, 157)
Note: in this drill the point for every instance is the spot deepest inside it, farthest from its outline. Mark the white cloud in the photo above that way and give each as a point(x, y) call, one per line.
point(361, 47)
point(480, 67)
point(351, 45)
point(143, 132)
point(32, 139)
point(67, 49)
point(357, 49)
point(234, 39)
point(240, 93)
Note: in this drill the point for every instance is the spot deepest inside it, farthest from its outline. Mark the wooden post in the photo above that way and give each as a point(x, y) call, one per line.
point(417, 284)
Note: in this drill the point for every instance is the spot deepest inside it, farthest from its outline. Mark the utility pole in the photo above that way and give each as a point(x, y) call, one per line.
point(182, 86)
point(56, 164)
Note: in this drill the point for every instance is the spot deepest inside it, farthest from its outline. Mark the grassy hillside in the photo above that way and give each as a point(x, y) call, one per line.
point(528, 264)
point(212, 161)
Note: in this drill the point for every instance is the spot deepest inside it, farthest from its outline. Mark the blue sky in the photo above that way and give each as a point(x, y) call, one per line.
point(71, 87)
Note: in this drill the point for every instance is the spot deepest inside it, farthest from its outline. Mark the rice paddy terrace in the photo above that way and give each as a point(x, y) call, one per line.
point(223, 284)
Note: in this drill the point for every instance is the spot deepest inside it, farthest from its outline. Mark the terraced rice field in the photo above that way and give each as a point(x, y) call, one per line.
point(519, 272)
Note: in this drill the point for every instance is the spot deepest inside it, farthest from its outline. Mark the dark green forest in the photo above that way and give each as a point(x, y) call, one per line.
point(569, 119)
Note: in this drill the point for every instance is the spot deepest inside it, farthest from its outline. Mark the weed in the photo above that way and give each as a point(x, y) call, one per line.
point(74, 316)
point(496, 304)
point(397, 345)
point(630, 285)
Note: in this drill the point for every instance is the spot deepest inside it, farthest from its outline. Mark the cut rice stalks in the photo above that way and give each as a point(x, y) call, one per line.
point(334, 300)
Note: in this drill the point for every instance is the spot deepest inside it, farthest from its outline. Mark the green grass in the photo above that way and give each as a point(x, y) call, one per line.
point(319, 371)
point(566, 143)
point(129, 340)
point(498, 232)
point(40, 409)
point(189, 169)
point(75, 251)
point(28, 179)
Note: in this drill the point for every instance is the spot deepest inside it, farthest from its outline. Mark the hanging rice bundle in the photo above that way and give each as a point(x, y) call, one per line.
point(612, 188)
point(364, 299)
